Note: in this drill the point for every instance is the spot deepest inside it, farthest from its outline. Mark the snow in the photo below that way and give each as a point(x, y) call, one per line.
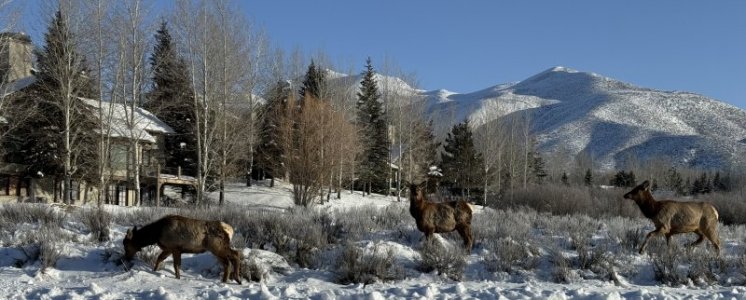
point(584, 111)
point(144, 121)
point(84, 273)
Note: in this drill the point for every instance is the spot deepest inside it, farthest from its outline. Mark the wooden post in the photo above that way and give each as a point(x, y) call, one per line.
point(158, 185)
point(178, 172)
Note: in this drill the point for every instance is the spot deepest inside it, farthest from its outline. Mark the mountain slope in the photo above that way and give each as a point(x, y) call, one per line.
point(612, 121)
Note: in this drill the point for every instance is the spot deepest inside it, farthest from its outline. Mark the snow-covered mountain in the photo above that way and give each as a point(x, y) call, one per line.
point(573, 112)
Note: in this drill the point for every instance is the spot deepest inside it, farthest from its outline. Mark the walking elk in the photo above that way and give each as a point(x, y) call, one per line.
point(176, 235)
point(674, 217)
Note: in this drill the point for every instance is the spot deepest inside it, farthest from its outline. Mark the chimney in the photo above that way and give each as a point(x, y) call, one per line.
point(16, 59)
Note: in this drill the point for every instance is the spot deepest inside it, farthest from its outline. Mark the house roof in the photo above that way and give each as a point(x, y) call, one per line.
point(145, 123)
point(17, 85)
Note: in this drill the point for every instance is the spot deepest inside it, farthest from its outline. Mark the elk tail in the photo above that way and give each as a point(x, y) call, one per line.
point(228, 229)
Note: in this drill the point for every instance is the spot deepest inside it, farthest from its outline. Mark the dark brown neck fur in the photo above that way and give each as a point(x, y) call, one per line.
point(647, 204)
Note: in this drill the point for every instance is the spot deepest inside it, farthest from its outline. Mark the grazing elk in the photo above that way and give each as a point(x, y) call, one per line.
point(674, 217)
point(176, 235)
point(440, 217)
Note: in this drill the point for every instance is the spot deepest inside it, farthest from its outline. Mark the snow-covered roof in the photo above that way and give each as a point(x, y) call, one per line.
point(145, 122)
point(17, 85)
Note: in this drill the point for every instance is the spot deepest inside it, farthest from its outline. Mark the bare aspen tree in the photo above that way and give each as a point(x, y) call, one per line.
point(490, 141)
point(62, 80)
point(195, 31)
point(133, 33)
point(98, 39)
point(526, 132)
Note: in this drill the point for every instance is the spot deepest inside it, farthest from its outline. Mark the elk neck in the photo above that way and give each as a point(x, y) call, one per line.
point(147, 235)
point(647, 204)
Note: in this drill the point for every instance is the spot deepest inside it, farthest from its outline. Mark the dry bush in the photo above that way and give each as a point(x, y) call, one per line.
point(12, 214)
point(355, 265)
point(447, 260)
point(507, 255)
point(569, 200)
point(298, 234)
point(561, 269)
point(492, 225)
point(98, 222)
point(149, 255)
point(43, 246)
point(252, 270)
point(730, 206)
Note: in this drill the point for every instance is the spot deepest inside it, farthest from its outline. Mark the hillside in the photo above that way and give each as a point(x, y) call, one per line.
point(573, 112)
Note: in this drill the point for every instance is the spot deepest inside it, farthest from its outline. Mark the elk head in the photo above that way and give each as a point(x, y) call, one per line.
point(639, 192)
point(130, 247)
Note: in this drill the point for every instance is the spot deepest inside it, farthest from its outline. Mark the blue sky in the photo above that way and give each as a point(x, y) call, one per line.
point(464, 46)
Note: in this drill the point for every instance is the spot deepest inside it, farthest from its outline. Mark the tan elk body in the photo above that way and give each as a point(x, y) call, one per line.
point(440, 217)
point(176, 235)
point(675, 217)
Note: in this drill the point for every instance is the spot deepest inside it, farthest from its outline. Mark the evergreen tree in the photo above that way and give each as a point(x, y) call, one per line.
point(718, 183)
point(537, 167)
point(171, 100)
point(60, 140)
point(674, 182)
point(564, 179)
point(272, 115)
point(462, 163)
point(588, 179)
point(373, 168)
point(314, 83)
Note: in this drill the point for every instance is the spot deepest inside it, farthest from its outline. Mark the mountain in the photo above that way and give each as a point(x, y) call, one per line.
point(575, 112)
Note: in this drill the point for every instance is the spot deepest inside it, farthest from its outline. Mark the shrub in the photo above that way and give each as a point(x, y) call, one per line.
point(447, 260)
point(355, 265)
point(42, 246)
point(98, 222)
point(561, 271)
point(507, 254)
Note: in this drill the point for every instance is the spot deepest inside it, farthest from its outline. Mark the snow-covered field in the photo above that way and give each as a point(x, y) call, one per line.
point(90, 270)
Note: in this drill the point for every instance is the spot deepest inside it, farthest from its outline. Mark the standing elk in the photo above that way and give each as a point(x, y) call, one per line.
point(440, 217)
point(176, 235)
point(674, 217)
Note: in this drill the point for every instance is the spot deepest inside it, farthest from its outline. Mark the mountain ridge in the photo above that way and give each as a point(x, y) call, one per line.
point(583, 112)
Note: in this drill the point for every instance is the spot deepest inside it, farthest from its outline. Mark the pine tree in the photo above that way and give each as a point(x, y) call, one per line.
point(314, 83)
point(374, 168)
point(60, 141)
point(565, 179)
point(588, 179)
point(460, 159)
point(171, 100)
point(270, 150)
point(674, 182)
point(537, 167)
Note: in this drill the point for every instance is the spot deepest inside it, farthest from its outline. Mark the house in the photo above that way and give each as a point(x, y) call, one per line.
point(124, 126)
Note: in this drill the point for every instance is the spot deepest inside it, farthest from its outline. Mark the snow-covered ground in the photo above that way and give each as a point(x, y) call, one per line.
point(88, 270)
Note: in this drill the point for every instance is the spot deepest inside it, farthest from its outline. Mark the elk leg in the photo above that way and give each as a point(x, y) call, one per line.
point(645, 242)
point(226, 267)
point(712, 235)
point(164, 254)
point(236, 261)
point(177, 264)
point(465, 233)
point(699, 240)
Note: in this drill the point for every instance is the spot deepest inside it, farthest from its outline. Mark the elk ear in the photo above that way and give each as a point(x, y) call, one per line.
point(129, 234)
point(646, 185)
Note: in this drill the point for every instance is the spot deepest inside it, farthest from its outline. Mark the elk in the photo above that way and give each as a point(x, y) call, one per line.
point(176, 235)
point(675, 217)
point(440, 217)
